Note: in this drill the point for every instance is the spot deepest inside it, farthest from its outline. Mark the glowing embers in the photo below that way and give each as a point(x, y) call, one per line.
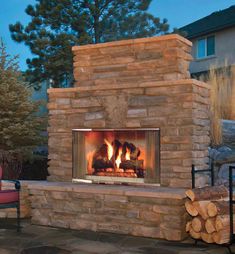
point(116, 158)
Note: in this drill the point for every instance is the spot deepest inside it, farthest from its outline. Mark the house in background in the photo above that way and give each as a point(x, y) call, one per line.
point(213, 39)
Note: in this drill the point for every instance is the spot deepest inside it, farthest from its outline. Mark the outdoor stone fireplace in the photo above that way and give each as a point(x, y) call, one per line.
point(133, 119)
point(132, 85)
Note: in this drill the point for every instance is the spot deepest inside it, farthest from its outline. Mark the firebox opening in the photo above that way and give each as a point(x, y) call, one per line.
point(117, 155)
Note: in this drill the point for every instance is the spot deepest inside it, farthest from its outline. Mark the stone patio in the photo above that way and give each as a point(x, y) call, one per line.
point(38, 239)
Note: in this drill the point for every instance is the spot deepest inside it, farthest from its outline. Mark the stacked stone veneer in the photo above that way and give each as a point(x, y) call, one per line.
point(131, 84)
point(157, 213)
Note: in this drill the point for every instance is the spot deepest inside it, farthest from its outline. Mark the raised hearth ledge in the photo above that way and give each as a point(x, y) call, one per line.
point(133, 41)
point(130, 85)
point(154, 192)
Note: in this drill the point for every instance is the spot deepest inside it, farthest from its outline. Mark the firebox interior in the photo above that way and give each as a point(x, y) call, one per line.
point(117, 155)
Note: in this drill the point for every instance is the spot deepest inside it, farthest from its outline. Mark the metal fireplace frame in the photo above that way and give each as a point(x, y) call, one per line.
point(114, 179)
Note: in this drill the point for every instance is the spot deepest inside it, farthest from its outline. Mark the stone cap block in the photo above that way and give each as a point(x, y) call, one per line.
point(154, 192)
point(134, 41)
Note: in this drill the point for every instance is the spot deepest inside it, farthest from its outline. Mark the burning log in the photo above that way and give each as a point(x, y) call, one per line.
point(117, 159)
point(134, 152)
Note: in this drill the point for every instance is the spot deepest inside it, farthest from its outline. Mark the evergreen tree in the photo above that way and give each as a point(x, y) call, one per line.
point(20, 128)
point(56, 25)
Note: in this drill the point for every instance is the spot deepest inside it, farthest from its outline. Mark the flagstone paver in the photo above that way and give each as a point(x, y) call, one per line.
point(38, 239)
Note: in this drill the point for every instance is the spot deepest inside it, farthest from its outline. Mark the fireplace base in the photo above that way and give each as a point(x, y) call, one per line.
point(140, 211)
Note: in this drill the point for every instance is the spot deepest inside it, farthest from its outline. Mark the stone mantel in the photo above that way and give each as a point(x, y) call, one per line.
point(134, 85)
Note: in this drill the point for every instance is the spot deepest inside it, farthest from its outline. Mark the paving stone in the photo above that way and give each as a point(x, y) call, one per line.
point(96, 247)
point(48, 240)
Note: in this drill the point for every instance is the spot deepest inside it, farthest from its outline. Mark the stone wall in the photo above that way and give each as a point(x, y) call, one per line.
point(132, 61)
point(156, 213)
point(134, 84)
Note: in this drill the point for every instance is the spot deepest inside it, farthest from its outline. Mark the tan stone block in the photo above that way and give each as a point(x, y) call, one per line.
point(169, 210)
point(63, 101)
point(173, 76)
point(116, 198)
point(64, 94)
point(153, 232)
point(153, 122)
point(83, 224)
point(136, 113)
point(144, 100)
point(95, 123)
point(176, 154)
point(86, 102)
point(110, 68)
point(148, 54)
point(94, 115)
point(133, 123)
point(176, 140)
point(173, 234)
point(183, 183)
point(150, 216)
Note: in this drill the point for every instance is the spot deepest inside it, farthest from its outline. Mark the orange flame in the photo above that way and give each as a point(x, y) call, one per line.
point(89, 162)
point(110, 149)
point(118, 160)
point(128, 154)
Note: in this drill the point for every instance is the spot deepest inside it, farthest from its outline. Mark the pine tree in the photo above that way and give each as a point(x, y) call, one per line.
point(20, 127)
point(57, 25)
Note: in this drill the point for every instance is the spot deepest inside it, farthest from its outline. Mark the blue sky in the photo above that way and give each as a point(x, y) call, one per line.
point(178, 13)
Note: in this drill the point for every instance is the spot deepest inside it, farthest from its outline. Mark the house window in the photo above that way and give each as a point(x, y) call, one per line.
point(206, 47)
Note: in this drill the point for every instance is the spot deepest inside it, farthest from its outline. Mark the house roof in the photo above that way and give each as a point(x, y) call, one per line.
point(214, 22)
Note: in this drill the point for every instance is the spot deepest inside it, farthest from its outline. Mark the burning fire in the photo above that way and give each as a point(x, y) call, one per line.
point(118, 160)
point(128, 154)
point(110, 149)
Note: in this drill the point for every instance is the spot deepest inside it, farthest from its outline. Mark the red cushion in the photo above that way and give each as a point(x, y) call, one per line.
point(9, 196)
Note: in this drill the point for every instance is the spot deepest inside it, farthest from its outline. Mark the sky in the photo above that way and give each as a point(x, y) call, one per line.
point(178, 13)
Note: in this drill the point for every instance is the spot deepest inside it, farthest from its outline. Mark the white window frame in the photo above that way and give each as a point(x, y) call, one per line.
point(205, 56)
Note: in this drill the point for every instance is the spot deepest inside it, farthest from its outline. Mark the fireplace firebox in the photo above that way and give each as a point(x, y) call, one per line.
point(116, 155)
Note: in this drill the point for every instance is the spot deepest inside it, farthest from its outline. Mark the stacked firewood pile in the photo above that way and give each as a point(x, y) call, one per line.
point(209, 208)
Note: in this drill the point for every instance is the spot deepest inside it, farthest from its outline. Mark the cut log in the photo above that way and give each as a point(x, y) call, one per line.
point(221, 237)
point(210, 225)
point(207, 193)
point(188, 226)
point(201, 207)
point(223, 222)
point(130, 164)
point(198, 224)
point(218, 208)
point(190, 208)
point(193, 234)
point(208, 238)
